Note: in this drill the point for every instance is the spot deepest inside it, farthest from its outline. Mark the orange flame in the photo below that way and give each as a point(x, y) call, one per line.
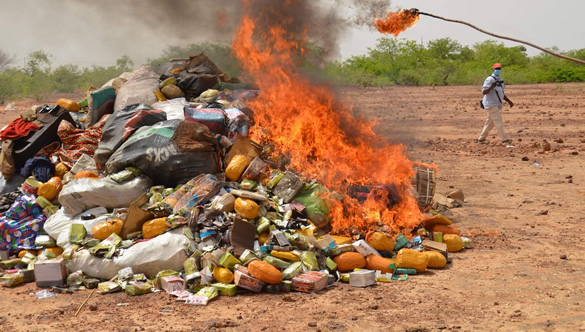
point(395, 23)
point(319, 134)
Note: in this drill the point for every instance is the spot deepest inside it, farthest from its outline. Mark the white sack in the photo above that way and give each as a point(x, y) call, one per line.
point(139, 89)
point(57, 226)
point(82, 194)
point(166, 251)
point(126, 76)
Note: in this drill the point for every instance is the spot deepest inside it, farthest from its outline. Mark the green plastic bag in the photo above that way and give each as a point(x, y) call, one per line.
point(316, 207)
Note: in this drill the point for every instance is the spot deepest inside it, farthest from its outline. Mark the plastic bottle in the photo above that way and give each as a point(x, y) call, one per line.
point(45, 294)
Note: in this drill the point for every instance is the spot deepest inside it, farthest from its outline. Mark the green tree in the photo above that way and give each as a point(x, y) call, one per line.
point(5, 60)
point(124, 64)
point(38, 84)
point(8, 87)
point(67, 78)
point(35, 60)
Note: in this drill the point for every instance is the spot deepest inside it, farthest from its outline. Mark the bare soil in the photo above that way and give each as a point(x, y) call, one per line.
point(524, 274)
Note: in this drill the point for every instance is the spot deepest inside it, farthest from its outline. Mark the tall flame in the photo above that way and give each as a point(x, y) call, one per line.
point(317, 132)
point(395, 23)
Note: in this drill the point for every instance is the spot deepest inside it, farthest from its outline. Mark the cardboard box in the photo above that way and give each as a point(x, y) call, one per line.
point(244, 146)
point(136, 217)
point(243, 236)
point(29, 275)
point(288, 187)
point(224, 203)
point(51, 273)
point(256, 167)
point(172, 284)
point(225, 289)
point(434, 245)
point(362, 278)
point(364, 248)
point(247, 282)
point(311, 281)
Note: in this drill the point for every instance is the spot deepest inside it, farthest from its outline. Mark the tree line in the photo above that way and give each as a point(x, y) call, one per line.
point(446, 62)
point(391, 62)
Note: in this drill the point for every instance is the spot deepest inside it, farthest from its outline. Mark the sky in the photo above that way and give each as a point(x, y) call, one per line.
point(73, 32)
point(545, 23)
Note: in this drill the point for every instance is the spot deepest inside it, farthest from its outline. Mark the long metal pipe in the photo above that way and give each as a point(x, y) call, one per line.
point(504, 37)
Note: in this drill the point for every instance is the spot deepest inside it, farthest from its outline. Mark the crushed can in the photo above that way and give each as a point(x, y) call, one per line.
point(286, 286)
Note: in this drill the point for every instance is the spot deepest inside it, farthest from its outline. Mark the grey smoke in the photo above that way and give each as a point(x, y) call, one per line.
point(186, 21)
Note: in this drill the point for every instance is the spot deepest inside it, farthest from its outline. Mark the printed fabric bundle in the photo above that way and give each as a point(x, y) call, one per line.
point(77, 142)
point(21, 224)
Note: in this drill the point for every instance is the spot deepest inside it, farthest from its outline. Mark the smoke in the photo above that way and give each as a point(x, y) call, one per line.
point(185, 20)
point(188, 21)
point(92, 32)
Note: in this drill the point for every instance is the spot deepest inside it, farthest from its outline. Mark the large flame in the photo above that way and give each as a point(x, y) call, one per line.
point(395, 23)
point(318, 133)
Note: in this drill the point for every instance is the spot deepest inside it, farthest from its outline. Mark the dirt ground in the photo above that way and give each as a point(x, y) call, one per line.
point(524, 274)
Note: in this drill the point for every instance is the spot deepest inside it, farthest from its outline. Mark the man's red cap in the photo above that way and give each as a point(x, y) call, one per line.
point(496, 65)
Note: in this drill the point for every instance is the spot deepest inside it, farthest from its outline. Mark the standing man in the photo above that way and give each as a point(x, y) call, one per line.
point(493, 93)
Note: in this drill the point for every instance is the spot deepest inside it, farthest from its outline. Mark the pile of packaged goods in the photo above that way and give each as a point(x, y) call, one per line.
point(151, 183)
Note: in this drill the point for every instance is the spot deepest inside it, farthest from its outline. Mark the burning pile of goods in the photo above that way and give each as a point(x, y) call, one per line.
point(192, 182)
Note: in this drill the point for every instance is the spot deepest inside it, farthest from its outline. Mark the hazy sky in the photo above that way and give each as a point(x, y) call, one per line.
point(547, 23)
point(73, 33)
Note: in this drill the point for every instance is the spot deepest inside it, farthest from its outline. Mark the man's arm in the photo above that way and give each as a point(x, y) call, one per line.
point(487, 87)
point(509, 101)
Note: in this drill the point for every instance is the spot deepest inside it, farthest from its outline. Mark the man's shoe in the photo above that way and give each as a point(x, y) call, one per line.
point(482, 141)
point(507, 141)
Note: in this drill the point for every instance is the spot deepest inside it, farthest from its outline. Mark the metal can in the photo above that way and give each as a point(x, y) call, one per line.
point(438, 236)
